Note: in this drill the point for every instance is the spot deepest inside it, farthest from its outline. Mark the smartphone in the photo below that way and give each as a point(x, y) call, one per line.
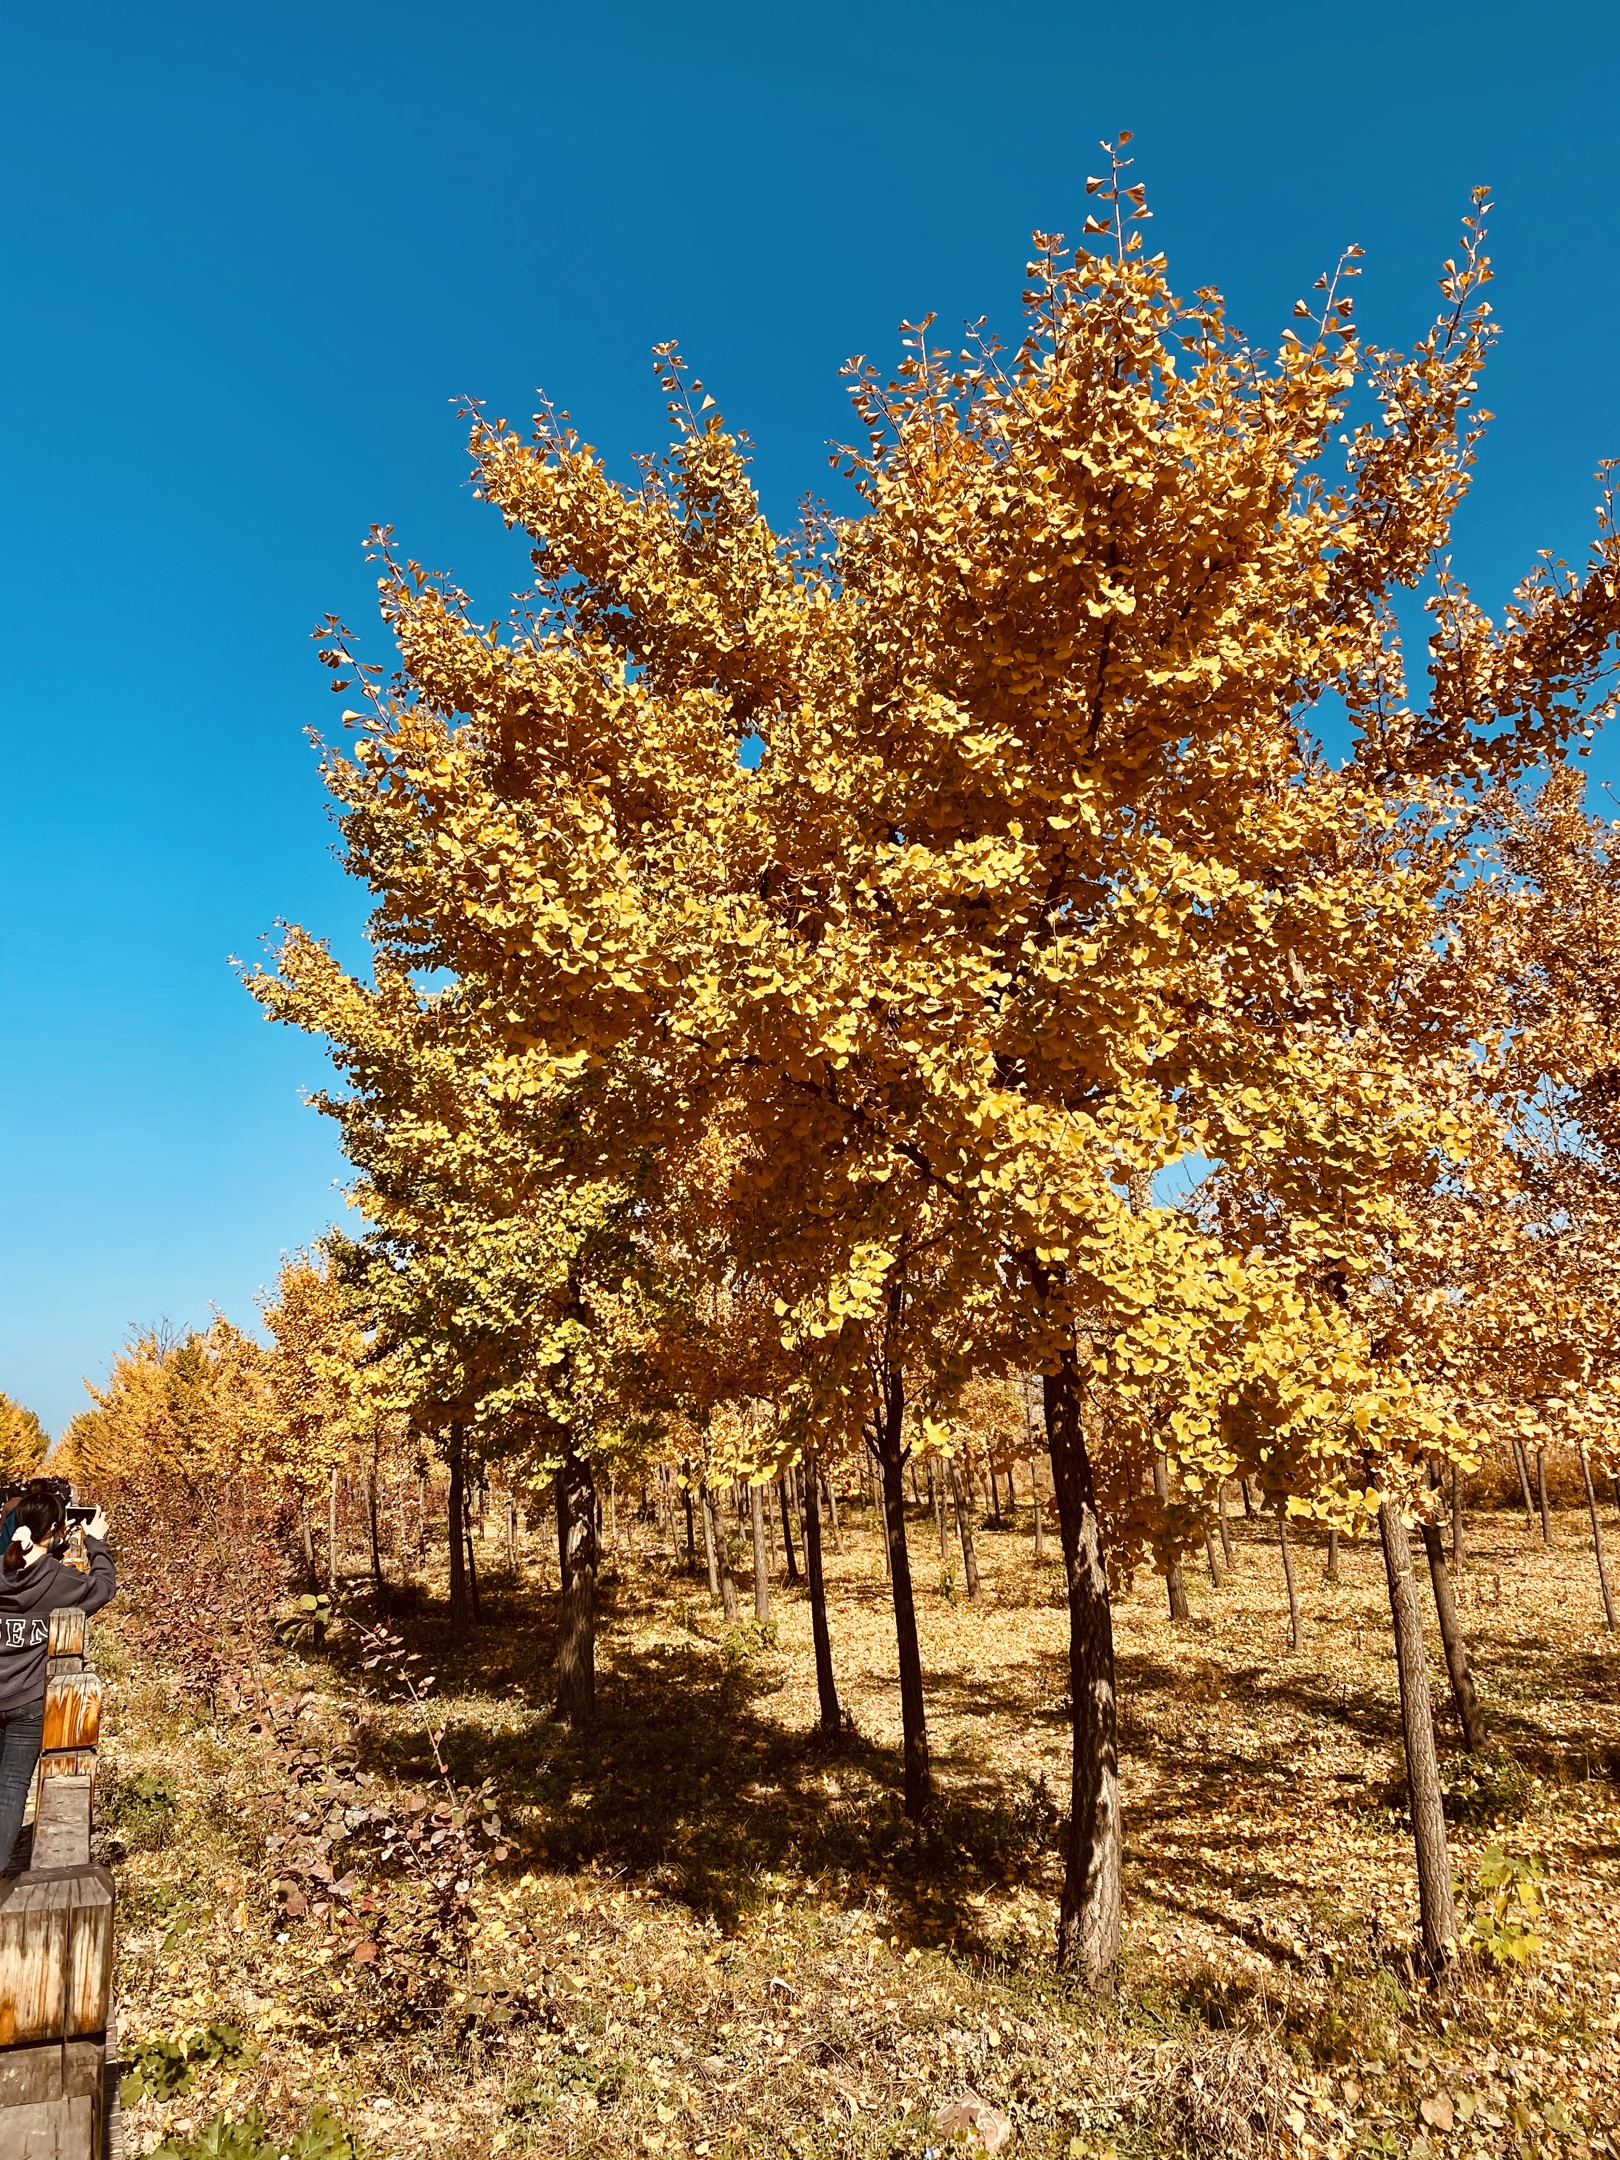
point(76, 1515)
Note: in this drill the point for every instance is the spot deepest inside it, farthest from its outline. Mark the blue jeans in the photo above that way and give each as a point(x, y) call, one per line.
point(20, 1732)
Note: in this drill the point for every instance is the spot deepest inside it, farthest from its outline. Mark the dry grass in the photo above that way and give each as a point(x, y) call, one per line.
point(717, 1935)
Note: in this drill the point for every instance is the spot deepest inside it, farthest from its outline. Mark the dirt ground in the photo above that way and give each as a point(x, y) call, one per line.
point(713, 1933)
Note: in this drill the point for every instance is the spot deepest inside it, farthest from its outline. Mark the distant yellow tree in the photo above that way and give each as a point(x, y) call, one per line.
point(22, 1440)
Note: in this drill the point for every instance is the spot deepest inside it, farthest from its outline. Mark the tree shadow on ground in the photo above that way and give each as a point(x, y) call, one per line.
point(687, 1780)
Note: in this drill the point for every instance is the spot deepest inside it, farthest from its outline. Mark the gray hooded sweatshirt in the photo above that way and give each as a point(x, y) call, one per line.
point(27, 1600)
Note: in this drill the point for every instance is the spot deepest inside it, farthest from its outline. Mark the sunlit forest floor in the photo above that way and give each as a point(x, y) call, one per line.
point(714, 1934)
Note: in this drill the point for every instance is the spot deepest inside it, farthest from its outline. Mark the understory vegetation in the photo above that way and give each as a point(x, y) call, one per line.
point(706, 1927)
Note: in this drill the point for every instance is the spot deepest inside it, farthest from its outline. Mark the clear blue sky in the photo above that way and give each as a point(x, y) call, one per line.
point(251, 252)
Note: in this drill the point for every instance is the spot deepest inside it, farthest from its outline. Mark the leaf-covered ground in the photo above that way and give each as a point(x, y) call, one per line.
point(712, 1932)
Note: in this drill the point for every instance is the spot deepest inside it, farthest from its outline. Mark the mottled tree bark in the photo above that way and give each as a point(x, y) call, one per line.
point(578, 1557)
point(787, 1532)
point(1220, 1517)
point(762, 1563)
point(1089, 1917)
point(1437, 1911)
point(1459, 1492)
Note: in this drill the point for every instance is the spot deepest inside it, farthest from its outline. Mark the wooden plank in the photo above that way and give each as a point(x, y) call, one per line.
point(65, 2129)
point(72, 1762)
point(29, 2075)
point(33, 1960)
point(72, 1712)
point(88, 1997)
point(70, 1633)
point(61, 1824)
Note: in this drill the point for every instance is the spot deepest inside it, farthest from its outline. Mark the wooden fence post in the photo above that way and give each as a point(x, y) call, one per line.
point(57, 2100)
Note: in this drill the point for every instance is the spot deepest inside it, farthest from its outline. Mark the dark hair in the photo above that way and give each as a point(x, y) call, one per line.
point(39, 1511)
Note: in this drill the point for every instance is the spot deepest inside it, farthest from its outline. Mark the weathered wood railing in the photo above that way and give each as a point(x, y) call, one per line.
point(56, 1937)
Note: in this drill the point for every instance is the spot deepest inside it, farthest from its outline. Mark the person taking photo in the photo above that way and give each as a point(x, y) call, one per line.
point(33, 1585)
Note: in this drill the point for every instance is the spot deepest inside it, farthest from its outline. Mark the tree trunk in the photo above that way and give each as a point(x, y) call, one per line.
point(404, 1544)
point(1296, 1630)
point(762, 1558)
point(1469, 1715)
point(1088, 1923)
point(995, 1495)
point(1458, 1495)
point(706, 1510)
point(578, 1559)
point(1209, 1555)
point(936, 1501)
point(691, 1526)
point(455, 1507)
point(830, 1490)
point(475, 1596)
point(1174, 1581)
point(511, 1537)
point(826, 1687)
point(919, 1789)
point(1332, 1571)
point(371, 1520)
point(728, 1582)
point(331, 1532)
point(964, 1531)
point(309, 1539)
point(787, 1531)
point(1438, 1913)
point(1597, 1540)
point(1035, 1503)
point(1248, 1503)
point(1220, 1517)
point(1523, 1469)
point(1541, 1495)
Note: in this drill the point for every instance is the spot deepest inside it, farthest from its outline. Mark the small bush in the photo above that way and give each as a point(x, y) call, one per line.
point(250, 2137)
point(163, 2069)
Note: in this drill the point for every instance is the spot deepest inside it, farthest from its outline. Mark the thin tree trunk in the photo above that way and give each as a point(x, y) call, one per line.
point(1465, 1701)
point(1220, 1516)
point(691, 1526)
point(995, 1495)
point(1437, 1911)
point(728, 1581)
point(1458, 1495)
point(706, 1510)
point(1597, 1539)
point(1035, 1503)
point(1209, 1555)
point(309, 1538)
point(1174, 1581)
point(964, 1532)
point(936, 1494)
point(1089, 1918)
point(331, 1532)
point(404, 1543)
point(511, 1536)
point(1331, 1573)
point(1248, 1504)
point(826, 1686)
point(475, 1597)
point(454, 1509)
point(578, 1558)
point(762, 1564)
point(1614, 1487)
point(787, 1531)
point(919, 1789)
point(1541, 1495)
point(371, 1520)
point(1296, 1630)
point(830, 1490)
point(1523, 1469)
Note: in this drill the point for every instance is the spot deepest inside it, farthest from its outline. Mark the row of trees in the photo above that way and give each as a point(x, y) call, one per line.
point(800, 962)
